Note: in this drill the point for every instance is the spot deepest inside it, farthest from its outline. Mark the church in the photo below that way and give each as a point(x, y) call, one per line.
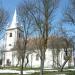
point(8, 56)
point(13, 32)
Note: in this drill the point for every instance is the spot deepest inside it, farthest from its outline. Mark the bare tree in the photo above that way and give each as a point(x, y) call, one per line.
point(3, 19)
point(19, 47)
point(69, 17)
point(66, 44)
point(27, 25)
point(36, 11)
point(42, 25)
point(31, 47)
point(54, 44)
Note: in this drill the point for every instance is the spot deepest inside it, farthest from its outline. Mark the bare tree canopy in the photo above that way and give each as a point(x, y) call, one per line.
point(3, 18)
point(36, 15)
point(69, 14)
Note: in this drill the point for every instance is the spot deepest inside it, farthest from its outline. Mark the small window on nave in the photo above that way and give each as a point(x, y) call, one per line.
point(0, 61)
point(37, 57)
point(10, 35)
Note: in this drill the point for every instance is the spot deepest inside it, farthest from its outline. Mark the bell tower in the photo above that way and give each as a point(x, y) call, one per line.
point(14, 31)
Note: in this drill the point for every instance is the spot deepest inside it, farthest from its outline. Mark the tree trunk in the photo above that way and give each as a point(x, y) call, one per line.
point(67, 59)
point(31, 60)
point(22, 65)
point(42, 62)
point(70, 60)
point(58, 58)
point(57, 62)
point(63, 65)
point(53, 55)
point(27, 60)
point(74, 61)
point(18, 63)
point(42, 66)
point(69, 63)
point(53, 59)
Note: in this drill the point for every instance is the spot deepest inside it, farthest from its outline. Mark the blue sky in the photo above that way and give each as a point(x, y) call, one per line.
point(10, 6)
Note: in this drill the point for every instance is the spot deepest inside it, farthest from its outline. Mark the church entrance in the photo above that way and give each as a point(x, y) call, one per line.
point(8, 62)
point(0, 61)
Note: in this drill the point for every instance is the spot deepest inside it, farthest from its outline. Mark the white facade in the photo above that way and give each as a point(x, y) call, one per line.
point(12, 34)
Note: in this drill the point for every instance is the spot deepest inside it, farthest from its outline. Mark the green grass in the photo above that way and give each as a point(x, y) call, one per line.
point(8, 74)
point(54, 73)
point(18, 68)
point(49, 73)
point(45, 73)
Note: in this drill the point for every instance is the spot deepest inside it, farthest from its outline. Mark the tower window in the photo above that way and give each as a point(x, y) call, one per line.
point(19, 35)
point(10, 34)
point(9, 44)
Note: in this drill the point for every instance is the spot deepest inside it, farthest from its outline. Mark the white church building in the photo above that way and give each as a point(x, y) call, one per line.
point(14, 31)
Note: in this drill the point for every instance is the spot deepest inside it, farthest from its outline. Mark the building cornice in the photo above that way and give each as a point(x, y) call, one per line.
point(15, 28)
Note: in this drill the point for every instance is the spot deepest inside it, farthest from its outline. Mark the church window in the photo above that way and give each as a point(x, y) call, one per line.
point(10, 34)
point(9, 44)
point(0, 61)
point(19, 35)
point(8, 62)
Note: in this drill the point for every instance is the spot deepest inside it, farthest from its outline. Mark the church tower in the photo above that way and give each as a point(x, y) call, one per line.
point(14, 31)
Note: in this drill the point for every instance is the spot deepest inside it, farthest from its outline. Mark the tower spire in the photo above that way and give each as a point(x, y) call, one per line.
point(14, 21)
point(15, 17)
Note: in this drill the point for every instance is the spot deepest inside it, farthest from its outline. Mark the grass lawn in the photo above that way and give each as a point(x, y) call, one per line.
point(18, 68)
point(57, 73)
point(50, 73)
point(45, 73)
point(7, 74)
